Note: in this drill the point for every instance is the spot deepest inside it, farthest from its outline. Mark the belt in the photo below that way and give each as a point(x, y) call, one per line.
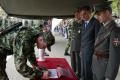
point(101, 55)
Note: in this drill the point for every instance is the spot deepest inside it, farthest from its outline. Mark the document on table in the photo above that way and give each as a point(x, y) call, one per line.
point(53, 73)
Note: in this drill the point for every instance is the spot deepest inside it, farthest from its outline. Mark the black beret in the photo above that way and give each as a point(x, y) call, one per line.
point(106, 5)
point(45, 23)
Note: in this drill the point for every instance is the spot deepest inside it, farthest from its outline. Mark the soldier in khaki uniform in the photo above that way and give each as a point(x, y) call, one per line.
point(106, 57)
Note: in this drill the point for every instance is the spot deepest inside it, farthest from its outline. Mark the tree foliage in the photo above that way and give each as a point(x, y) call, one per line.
point(116, 7)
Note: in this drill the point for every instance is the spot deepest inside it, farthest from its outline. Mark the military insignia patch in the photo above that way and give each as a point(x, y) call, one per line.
point(116, 41)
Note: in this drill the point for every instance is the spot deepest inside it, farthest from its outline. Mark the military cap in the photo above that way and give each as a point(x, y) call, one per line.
point(106, 5)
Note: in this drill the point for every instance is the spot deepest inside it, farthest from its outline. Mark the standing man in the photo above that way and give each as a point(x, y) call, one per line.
point(76, 43)
point(48, 36)
point(88, 35)
point(106, 57)
point(71, 31)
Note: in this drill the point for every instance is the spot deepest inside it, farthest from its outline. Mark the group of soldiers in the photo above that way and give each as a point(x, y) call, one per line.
point(94, 43)
point(19, 40)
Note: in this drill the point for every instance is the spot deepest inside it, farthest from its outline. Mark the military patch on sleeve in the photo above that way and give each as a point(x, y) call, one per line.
point(116, 42)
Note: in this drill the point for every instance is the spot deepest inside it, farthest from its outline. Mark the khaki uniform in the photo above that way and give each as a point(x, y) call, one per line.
point(106, 57)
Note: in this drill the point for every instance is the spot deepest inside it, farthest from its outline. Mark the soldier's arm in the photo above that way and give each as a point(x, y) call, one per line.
point(25, 52)
point(50, 39)
point(114, 55)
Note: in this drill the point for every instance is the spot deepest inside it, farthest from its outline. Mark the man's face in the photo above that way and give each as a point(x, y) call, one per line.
point(103, 16)
point(86, 15)
point(46, 28)
point(41, 43)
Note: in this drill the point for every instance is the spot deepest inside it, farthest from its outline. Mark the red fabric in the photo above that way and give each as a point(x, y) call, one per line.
point(52, 63)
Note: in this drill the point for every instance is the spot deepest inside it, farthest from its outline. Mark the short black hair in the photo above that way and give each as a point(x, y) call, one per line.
point(38, 35)
point(86, 8)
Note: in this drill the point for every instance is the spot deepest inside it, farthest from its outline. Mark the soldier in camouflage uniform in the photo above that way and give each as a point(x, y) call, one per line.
point(5, 50)
point(71, 31)
point(48, 35)
point(24, 50)
point(68, 42)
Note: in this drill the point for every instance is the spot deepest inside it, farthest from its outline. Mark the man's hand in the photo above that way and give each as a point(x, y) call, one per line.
point(60, 71)
point(45, 75)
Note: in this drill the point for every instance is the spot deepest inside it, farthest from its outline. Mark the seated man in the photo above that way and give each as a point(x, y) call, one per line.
point(24, 50)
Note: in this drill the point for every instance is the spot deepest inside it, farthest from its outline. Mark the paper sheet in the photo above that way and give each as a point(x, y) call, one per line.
point(53, 73)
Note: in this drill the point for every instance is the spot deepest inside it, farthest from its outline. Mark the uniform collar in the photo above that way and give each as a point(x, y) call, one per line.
point(106, 23)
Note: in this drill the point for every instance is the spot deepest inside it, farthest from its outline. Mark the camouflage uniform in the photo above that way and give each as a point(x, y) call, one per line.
point(24, 50)
point(5, 49)
point(69, 38)
point(71, 32)
point(49, 38)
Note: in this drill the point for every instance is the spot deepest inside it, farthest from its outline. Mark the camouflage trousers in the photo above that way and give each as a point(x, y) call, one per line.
point(3, 75)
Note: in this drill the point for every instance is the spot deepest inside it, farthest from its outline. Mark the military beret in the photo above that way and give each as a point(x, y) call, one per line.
point(45, 23)
point(106, 5)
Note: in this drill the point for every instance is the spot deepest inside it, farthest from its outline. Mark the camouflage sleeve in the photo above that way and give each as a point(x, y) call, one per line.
point(23, 51)
point(49, 38)
point(21, 65)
